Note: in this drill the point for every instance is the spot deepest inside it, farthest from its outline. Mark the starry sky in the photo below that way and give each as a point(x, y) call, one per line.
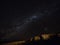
point(28, 18)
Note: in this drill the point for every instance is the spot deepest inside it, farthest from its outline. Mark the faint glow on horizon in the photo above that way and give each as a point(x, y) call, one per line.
point(45, 36)
point(36, 38)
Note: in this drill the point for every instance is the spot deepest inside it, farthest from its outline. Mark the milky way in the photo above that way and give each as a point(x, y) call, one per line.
point(22, 21)
point(26, 21)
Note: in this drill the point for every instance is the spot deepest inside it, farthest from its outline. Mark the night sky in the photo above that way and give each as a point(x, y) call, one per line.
point(23, 19)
